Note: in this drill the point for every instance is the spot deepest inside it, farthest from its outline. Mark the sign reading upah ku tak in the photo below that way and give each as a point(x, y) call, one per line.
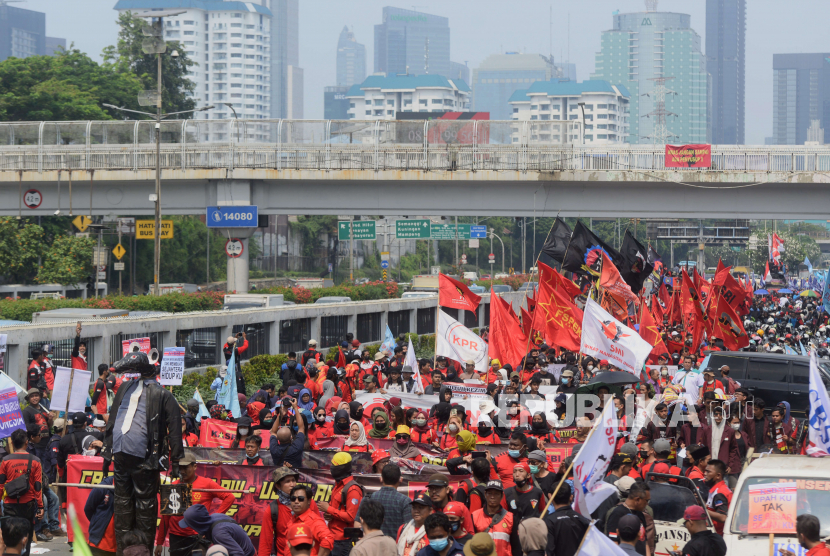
point(145, 229)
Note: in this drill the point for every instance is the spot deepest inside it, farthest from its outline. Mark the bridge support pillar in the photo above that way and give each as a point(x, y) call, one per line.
point(238, 270)
point(236, 193)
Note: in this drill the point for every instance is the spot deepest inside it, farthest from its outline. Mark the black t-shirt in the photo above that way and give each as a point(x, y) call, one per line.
point(759, 432)
point(522, 505)
point(548, 483)
point(705, 543)
point(614, 519)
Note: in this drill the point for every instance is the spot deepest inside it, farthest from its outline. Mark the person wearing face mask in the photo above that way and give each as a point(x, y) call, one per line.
point(275, 519)
point(252, 446)
point(441, 541)
point(183, 540)
point(494, 520)
point(320, 428)
point(566, 383)
point(340, 425)
point(420, 431)
point(709, 383)
point(720, 497)
point(538, 462)
point(486, 433)
point(381, 428)
point(742, 445)
point(243, 432)
point(346, 496)
point(523, 501)
point(539, 428)
point(450, 438)
point(458, 514)
point(403, 448)
point(356, 414)
point(516, 454)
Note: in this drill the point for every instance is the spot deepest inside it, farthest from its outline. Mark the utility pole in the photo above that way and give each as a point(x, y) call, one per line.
point(120, 291)
point(457, 260)
point(524, 243)
point(660, 134)
point(351, 249)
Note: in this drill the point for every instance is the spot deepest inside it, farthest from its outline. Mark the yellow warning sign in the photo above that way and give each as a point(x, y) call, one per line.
point(146, 229)
point(118, 251)
point(82, 222)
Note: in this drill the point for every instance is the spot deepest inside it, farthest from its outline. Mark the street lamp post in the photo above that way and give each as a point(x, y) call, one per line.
point(493, 234)
point(582, 106)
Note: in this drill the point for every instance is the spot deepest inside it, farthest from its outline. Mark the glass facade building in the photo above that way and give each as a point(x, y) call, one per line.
point(500, 75)
point(800, 95)
point(645, 45)
point(726, 66)
point(351, 60)
point(412, 42)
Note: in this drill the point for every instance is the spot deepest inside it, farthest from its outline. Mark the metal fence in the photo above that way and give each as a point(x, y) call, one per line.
point(360, 145)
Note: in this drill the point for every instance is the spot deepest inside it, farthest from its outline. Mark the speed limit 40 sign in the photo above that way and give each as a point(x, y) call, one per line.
point(234, 248)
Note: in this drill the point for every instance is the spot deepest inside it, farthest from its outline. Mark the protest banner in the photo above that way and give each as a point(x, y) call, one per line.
point(172, 367)
point(143, 345)
point(214, 433)
point(456, 341)
point(772, 508)
point(604, 337)
point(71, 390)
point(11, 418)
point(3, 343)
point(688, 156)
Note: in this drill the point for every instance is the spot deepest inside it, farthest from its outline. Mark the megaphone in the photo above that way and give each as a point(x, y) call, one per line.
point(153, 356)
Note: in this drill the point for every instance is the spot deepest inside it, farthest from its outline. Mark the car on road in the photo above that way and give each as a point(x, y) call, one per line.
point(478, 289)
point(415, 295)
point(500, 275)
point(529, 286)
point(772, 377)
point(502, 288)
point(333, 299)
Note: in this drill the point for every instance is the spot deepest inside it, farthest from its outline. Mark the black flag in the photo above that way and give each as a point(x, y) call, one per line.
point(636, 268)
point(557, 242)
point(580, 256)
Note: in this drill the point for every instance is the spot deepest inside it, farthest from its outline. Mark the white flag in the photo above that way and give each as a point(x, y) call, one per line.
point(412, 361)
point(592, 462)
point(605, 337)
point(594, 542)
point(819, 433)
point(456, 341)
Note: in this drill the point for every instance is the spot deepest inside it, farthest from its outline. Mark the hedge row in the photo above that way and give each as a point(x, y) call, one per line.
point(22, 309)
point(264, 369)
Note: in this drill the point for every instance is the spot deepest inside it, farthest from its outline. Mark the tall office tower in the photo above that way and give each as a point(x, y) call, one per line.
point(646, 45)
point(800, 95)
point(726, 66)
point(351, 60)
point(23, 33)
point(286, 75)
point(500, 75)
point(412, 42)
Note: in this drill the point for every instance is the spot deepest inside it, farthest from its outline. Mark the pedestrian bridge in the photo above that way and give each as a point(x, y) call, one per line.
point(433, 167)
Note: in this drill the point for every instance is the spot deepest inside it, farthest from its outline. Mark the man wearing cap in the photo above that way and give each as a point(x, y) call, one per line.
point(299, 540)
point(72, 442)
point(35, 375)
point(537, 461)
point(662, 451)
point(310, 353)
point(565, 527)
point(493, 519)
point(36, 415)
point(277, 517)
point(469, 372)
point(523, 501)
point(305, 513)
point(396, 505)
point(346, 496)
point(709, 383)
point(406, 376)
point(703, 542)
point(567, 384)
point(411, 536)
point(183, 540)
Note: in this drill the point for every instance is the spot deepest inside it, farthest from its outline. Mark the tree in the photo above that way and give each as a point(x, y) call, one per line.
point(128, 57)
point(21, 243)
point(67, 261)
point(67, 86)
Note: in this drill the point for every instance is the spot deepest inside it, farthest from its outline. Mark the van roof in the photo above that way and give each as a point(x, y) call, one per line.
point(792, 466)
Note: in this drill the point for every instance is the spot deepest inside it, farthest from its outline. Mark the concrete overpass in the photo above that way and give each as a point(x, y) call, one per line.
point(394, 168)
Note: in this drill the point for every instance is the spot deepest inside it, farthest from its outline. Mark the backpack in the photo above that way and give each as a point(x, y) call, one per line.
point(477, 489)
point(19, 486)
point(345, 492)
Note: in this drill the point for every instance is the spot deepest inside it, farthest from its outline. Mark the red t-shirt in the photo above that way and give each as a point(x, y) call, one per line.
point(170, 523)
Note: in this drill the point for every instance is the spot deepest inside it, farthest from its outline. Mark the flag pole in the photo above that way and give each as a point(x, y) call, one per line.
point(584, 538)
point(570, 467)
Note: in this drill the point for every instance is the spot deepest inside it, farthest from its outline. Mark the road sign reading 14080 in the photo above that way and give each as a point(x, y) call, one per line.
point(412, 229)
point(362, 229)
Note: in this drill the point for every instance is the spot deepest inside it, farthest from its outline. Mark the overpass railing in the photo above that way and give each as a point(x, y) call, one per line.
point(465, 145)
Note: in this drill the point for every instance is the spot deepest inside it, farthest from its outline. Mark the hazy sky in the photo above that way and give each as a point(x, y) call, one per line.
point(483, 27)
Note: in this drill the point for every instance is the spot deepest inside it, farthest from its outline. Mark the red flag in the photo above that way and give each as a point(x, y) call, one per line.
point(649, 331)
point(561, 284)
point(507, 341)
point(767, 275)
point(663, 294)
point(675, 312)
point(452, 293)
point(527, 321)
point(341, 359)
point(657, 310)
point(728, 327)
point(613, 283)
point(693, 315)
point(556, 316)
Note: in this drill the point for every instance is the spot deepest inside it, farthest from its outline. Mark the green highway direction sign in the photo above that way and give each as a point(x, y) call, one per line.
point(447, 231)
point(412, 229)
point(362, 229)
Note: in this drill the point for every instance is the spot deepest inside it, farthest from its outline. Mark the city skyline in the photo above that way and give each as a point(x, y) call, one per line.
point(769, 30)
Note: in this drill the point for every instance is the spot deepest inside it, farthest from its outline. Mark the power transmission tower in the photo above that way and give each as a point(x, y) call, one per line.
point(660, 135)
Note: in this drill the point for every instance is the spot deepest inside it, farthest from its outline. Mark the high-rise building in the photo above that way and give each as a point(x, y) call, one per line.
point(55, 45)
point(459, 71)
point(726, 66)
point(800, 94)
point(351, 60)
point(285, 57)
point(500, 75)
point(412, 42)
point(335, 103)
point(23, 33)
point(646, 45)
point(230, 43)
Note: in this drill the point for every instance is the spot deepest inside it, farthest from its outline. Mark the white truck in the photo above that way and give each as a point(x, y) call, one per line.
point(812, 478)
point(235, 301)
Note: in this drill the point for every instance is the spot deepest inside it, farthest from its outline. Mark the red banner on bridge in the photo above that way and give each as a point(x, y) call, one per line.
point(688, 156)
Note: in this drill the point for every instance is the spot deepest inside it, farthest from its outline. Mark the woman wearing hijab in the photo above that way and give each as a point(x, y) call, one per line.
point(403, 448)
point(454, 427)
point(319, 429)
point(462, 453)
point(356, 413)
point(420, 431)
point(539, 428)
point(486, 432)
point(340, 427)
point(356, 441)
point(381, 428)
point(332, 405)
point(305, 401)
point(439, 416)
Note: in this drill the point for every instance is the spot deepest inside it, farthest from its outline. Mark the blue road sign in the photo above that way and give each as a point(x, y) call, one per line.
point(384, 264)
point(478, 232)
point(331, 268)
point(232, 217)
